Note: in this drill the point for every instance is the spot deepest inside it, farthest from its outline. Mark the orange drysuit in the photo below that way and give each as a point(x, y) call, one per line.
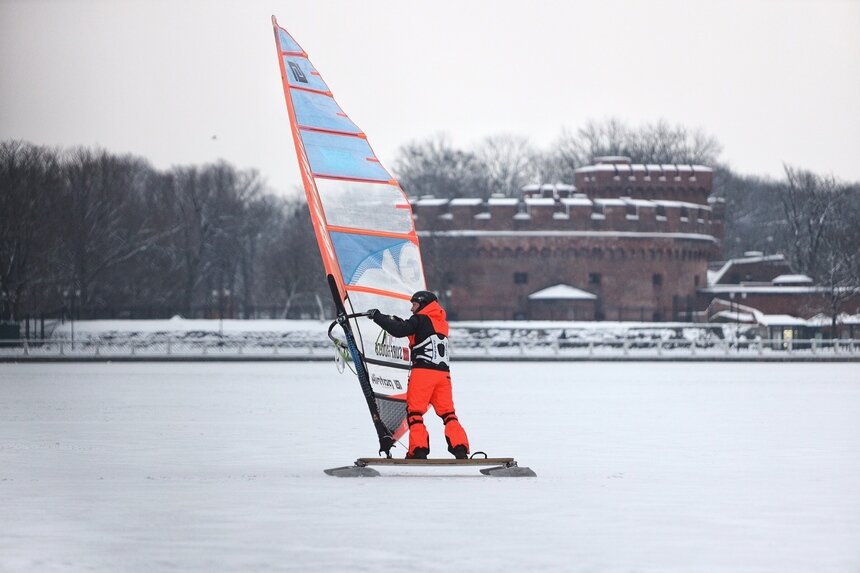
point(430, 379)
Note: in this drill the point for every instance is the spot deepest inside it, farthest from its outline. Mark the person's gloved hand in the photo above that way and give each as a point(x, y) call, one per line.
point(371, 314)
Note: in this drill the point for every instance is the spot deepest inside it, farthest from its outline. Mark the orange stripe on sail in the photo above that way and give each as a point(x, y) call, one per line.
point(391, 235)
point(371, 290)
point(357, 179)
point(312, 90)
point(333, 132)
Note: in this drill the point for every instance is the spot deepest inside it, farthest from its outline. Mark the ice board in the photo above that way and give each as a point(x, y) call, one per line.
point(500, 467)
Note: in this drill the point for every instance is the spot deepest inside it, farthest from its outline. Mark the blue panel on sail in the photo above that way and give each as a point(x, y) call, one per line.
point(342, 156)
point(301, 74)
point(358, 254)
point(286, 42)
point(320, 111)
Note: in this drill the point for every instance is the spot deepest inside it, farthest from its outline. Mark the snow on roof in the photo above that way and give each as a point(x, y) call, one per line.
point(467, 201)
point(530, 187)
point(484, 215)
point(667, 203)
point(792, 280)
point(780, 320)
point(770, 289)
point(668, 168)
point(611, 202)
point(562, 292)
point(732, 316)
point(431, 202)
point(576, 201)
point(740, 261)
point(503, 201)
point(841, 318)
point(564, 187)
point(544, 201)
point(592, 168)
point(639, 202)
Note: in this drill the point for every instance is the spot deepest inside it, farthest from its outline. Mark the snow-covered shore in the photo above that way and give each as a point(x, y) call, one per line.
point(464, 334)
point(180, 339)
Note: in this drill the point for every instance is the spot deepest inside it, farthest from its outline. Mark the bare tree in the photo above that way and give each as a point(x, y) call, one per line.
point(258, 217)
point(753, 215)
point(657, 143)
point(435, 167)
point(103, 225)
point(810, 204)
point(208, 208)
point(509, 163)
point(840, 257)
point(821, 234)
point(292, 265)
point(28, 183)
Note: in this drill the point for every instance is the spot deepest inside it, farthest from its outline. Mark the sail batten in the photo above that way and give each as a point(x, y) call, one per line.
point(379, 291)
point(363, 225)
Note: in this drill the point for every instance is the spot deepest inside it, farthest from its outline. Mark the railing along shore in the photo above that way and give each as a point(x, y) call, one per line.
point(166, 348)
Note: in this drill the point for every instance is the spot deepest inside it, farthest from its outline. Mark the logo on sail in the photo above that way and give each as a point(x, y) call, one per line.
point(387, 382)
point(298, 74)
point(385, 347)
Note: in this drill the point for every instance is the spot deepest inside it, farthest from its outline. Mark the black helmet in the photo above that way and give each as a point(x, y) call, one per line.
point(423, 298)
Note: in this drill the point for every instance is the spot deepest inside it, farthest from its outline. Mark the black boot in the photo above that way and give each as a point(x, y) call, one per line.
point(418, 454)
point(460, 452)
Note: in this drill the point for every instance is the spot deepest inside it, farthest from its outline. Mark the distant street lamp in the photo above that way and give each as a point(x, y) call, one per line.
point(735, 313)
point(220, 294)
point(71, 295)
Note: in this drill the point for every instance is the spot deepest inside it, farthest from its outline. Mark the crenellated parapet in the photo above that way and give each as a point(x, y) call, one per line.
point(575, 213)
point(617, 177)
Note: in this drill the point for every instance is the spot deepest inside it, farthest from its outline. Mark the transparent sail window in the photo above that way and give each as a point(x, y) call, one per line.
point(360, 205)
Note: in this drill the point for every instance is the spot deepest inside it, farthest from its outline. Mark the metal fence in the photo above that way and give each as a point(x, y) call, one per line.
point(166, 348)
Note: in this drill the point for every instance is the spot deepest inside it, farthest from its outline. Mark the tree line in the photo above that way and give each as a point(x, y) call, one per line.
point(109, 235)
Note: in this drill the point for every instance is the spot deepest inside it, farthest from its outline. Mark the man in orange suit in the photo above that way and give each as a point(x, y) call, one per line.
point(430, 379)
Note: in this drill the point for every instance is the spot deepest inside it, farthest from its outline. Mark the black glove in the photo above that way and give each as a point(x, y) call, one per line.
point(371, 314)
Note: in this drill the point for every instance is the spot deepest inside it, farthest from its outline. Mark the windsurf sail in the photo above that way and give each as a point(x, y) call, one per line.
point(364, 228)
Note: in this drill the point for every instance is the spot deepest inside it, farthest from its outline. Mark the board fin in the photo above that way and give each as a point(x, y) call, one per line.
point(508, 471)
point(352, 471)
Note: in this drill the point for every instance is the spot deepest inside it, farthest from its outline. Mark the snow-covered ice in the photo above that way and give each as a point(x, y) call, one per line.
point(641, 467)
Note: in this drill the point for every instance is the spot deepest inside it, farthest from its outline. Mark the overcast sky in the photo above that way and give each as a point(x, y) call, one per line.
point(774, 81)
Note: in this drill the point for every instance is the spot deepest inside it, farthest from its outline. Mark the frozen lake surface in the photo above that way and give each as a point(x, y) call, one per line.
point(641, 467)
